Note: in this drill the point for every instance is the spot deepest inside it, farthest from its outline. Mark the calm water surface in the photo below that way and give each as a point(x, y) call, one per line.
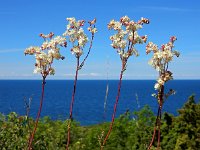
point(90, 95)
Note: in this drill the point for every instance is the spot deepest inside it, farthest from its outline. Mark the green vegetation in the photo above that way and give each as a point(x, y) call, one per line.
point(132, 131)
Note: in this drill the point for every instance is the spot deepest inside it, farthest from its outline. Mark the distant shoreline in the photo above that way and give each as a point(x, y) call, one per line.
point(96, 79)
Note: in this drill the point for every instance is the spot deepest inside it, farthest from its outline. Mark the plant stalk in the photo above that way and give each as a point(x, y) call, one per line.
point(72, 103)
point(158, 119)
point(115, 106)
point(160, 114)
point(83, 62)
point(154, 132)
point(38, 115)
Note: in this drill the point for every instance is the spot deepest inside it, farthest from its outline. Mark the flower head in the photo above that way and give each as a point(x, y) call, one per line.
point(46, 53)
point(126, 36)
point(161, 58)
point(77, 36)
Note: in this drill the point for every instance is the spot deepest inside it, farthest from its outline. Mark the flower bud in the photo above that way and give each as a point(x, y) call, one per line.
point(92, 22)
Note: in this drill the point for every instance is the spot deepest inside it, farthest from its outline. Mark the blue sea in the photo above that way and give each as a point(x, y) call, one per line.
point(90, 96)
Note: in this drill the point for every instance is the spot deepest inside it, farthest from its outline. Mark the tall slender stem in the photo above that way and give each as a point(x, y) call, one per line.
point(161, 100)
point(72, 104)
point(158, 119)
point(38, 114)
point(115, 106)
point(159, 134)
point(154, 132)
point(82, 63)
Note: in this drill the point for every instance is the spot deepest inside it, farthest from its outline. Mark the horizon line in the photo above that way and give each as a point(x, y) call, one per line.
point(95, 79)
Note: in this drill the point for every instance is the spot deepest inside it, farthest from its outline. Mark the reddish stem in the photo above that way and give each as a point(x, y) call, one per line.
point(38, 115)
point(160, 115)
point(72, 103)
point(154, 132)
point(115, 106)
point(158, 119)
point(82, 63)
point(159, 124)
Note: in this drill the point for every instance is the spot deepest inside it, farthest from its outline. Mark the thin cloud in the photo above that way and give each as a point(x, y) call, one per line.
point(83, 74)
point(94, 74)
point(11, 50)
point(171, 9)
point(14, 74)
point(192, 57)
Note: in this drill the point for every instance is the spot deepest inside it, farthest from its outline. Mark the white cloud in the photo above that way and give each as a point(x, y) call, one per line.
point(174, 9)
point(92, 74)
point(11, 50)
point(14, 75)
point(192, 57)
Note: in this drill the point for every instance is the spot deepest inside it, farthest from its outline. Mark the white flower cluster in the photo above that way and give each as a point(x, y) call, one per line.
point(127, 36)
point(77, 36)
point(44, 59)
point(160, 59)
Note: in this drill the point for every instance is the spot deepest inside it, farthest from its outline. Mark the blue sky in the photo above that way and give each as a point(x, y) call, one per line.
point(22, 21)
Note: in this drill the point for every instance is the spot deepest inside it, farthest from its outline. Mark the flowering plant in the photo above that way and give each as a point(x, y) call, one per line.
point(160, 61)
point(124, 41)
point(45, 55)
point(79, 39)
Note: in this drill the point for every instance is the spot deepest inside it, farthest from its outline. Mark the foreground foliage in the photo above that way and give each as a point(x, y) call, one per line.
point(131, 131)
